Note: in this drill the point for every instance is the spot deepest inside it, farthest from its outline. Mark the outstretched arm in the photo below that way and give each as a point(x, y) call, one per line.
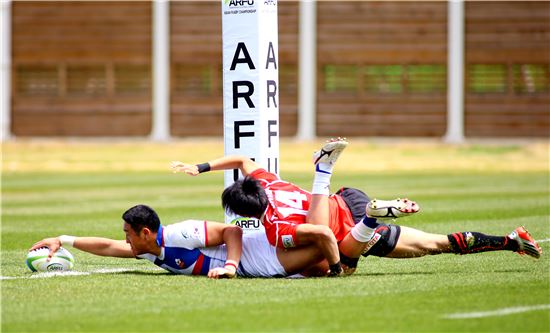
point(243, 163)
point(94, 245)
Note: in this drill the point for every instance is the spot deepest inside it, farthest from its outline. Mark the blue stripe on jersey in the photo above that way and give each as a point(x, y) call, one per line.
point(160, 236)
point(180, 258)
point(205, 266)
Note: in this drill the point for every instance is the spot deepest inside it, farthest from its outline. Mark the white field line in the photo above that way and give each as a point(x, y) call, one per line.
point(543, 240)
point(498, 312)
point(74, 273)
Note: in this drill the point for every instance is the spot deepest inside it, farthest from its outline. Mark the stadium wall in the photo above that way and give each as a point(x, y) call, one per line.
point(85, 69)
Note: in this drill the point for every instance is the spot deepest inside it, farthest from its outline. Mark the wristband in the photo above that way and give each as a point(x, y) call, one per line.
point(335, 269)
point(67, 240)
point(203, 167)
point(231, 263)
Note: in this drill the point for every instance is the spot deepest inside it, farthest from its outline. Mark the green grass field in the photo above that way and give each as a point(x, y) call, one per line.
point(51, 188)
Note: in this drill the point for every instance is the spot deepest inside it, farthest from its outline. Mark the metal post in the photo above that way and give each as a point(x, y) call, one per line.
point(307, 92)
point(161, 71)
point(5, 69)
point(455, 72)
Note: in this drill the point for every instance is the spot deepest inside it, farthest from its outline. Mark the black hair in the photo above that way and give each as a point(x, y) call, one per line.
point(141, 216)
point(245, 197)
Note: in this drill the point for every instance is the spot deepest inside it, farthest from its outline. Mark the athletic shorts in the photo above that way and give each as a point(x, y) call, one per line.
point(357, 201)
point(389, 236)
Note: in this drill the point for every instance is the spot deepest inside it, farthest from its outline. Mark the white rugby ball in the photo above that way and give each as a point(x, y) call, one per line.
point(62, 260)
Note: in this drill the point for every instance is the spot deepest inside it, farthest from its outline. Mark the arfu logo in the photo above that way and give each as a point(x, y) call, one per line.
point(246, 223)
point(270, 2)
point(238, 3)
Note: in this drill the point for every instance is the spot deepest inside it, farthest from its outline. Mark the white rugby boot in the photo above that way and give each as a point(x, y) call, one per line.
point(391, 209)
point(330, 151)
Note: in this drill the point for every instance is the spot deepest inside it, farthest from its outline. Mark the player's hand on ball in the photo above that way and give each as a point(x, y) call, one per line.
point(51, 243)
point(190, 169)
point(221, 273)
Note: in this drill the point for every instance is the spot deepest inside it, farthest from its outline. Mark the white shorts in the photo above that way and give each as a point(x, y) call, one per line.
point(258, 259)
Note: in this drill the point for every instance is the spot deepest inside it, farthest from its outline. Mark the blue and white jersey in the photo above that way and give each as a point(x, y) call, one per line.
point(184, 250)
point(180, 249)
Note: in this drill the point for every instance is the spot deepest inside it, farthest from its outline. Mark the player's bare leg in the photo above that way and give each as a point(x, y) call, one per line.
point(301, 259)
point(318, 212)
point(324, 161)
point(351, 249)
point(416, 243)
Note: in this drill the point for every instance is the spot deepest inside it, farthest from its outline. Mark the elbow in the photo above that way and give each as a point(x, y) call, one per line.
point(327, 234)
point(241, 161)
point(238, 231)
point(232, 232)
point(323, 234)
point(241, 158)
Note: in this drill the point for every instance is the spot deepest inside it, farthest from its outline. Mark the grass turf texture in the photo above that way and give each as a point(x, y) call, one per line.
point(52, 188)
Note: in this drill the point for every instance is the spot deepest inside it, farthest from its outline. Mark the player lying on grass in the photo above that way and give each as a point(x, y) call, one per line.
point(284, 208)
point(394, 241)
point(193, 247)
point(293, 217)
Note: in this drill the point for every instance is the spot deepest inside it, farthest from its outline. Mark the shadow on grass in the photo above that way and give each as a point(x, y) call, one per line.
point(510, 271)
point(155, 273)
point(394, 273)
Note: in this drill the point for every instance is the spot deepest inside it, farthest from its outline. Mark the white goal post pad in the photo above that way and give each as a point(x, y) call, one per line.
point(250, 87)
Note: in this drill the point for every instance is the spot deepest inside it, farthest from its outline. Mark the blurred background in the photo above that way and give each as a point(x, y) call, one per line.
point(85, 69)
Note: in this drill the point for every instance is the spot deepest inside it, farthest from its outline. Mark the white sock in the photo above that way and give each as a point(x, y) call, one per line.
point(321, 182)
point(362, 233)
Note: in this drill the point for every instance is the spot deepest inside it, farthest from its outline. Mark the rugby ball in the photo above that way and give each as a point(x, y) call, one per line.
point(62, 260)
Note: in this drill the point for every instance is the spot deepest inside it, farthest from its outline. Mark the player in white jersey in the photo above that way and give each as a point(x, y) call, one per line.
point(293, 217)
point(193, 247)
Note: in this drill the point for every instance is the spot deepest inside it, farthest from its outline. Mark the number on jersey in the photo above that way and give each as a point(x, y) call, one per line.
point(294, 202)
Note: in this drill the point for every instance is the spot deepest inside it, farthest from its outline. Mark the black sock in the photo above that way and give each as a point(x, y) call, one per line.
point(335, 269)
point(350, 262)
point(474, 242)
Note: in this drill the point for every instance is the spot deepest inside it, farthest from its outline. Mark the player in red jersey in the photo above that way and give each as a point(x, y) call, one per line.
point(293, 217)
point(286, 209)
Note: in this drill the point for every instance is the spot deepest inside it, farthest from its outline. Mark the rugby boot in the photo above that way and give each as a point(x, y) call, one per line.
point(330, 151)
point(526, 243)
point(391, 209)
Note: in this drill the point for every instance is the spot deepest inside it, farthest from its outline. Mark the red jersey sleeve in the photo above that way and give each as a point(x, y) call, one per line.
point(263, 174)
